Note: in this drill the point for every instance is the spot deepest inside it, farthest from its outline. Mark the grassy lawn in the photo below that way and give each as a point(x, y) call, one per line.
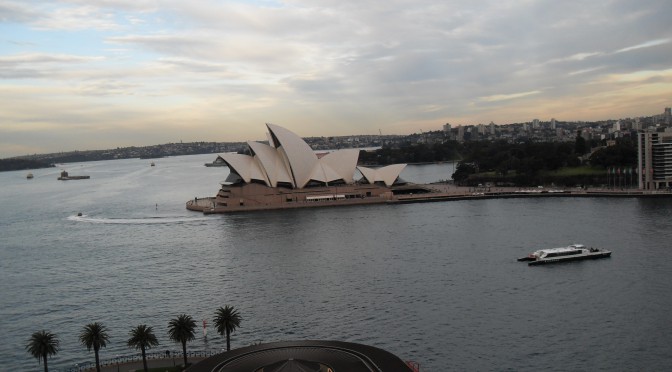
point(577, 171)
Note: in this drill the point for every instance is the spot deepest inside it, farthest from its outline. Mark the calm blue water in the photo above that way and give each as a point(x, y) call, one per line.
point(436, 283)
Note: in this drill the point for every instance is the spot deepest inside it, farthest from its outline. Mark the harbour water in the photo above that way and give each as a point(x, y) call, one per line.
point(437, 283)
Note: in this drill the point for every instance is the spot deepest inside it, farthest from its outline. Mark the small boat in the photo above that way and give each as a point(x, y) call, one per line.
point(572, 252)
point(29, 176)
point(152, 164)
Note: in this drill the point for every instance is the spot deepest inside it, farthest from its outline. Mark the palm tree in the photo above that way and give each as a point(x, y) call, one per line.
point(181, 329)
point(41, 345)
point(227, 320)
point(142, 337)
point(94, 336)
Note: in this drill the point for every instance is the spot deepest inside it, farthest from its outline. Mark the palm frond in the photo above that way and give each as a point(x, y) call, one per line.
point(227, 319)
point(43, 343)
point(94, 336)
point(182, 328)
point(142, 337)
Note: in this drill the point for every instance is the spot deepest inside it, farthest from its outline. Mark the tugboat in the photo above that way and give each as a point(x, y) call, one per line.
point(29, 176)
point(572, 252)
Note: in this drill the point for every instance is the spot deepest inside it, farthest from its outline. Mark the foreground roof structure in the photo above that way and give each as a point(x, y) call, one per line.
point(288, 161)
point(305, 356)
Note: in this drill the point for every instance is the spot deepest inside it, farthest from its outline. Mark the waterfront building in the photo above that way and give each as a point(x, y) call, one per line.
point(287, 173)
point(654, 160)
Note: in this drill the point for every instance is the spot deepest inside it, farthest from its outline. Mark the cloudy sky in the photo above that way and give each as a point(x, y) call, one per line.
point(83, 74)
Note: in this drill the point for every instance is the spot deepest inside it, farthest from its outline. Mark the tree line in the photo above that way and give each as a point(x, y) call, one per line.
point(22, 164)
point(94, 336)
point(522, 163)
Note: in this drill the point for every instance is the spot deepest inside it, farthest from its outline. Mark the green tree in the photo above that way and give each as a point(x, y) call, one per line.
point(227, 319)
point(580, 146)
point(41, 345)
point(463, 171)
point(94, 336)
point(142, 337)
point(181, 329)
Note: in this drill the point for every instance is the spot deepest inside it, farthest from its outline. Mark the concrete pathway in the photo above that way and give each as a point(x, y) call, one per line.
point(151, 363)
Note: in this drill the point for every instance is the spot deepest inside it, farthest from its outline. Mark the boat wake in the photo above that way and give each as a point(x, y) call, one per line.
point(136, 221)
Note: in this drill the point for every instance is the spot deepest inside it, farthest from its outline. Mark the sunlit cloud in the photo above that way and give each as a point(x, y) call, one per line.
point(640, 76)
point(648, 44)
point(506, 97)
point(585, 71)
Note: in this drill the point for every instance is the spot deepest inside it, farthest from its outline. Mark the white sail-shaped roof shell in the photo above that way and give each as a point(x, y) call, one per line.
point(343, 163)
point(387, 174)
point(300, 158)
point(272, 164)
point(245, 166)
point(289, 160)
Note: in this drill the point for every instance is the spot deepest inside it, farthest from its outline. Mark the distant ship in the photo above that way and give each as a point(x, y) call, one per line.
point(66, 177)
point(219, 162)
point(29, 176)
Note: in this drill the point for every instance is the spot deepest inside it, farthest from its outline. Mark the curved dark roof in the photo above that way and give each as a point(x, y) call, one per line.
point(339, 356)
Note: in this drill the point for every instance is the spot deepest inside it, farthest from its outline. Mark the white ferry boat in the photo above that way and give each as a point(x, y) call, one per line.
point(570, 253)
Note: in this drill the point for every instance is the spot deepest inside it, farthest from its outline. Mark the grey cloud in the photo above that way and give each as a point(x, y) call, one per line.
point(17, 12)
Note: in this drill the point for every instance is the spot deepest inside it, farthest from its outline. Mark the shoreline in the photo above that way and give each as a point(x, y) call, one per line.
point(441, 193)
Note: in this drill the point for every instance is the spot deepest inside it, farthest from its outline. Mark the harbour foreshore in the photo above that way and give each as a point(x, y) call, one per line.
point(444, 192)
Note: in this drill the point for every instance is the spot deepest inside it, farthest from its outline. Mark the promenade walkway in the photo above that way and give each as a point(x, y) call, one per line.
point(151, 363)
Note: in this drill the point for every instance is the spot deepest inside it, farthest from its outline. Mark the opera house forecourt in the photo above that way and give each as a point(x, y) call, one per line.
point(287, 173)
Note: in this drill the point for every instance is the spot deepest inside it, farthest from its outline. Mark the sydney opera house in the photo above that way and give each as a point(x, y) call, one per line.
point(287, 173)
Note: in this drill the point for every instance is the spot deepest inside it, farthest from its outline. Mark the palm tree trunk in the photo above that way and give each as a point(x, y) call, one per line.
point(97, 360)
point(44, 357)
point(184, 352)
point(144, 358)
point(228, 340)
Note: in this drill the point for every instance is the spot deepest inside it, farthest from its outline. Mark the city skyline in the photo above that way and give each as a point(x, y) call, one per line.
point(133, 73)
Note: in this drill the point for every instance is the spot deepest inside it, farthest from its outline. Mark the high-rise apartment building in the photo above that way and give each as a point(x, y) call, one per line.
point(654, 160)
